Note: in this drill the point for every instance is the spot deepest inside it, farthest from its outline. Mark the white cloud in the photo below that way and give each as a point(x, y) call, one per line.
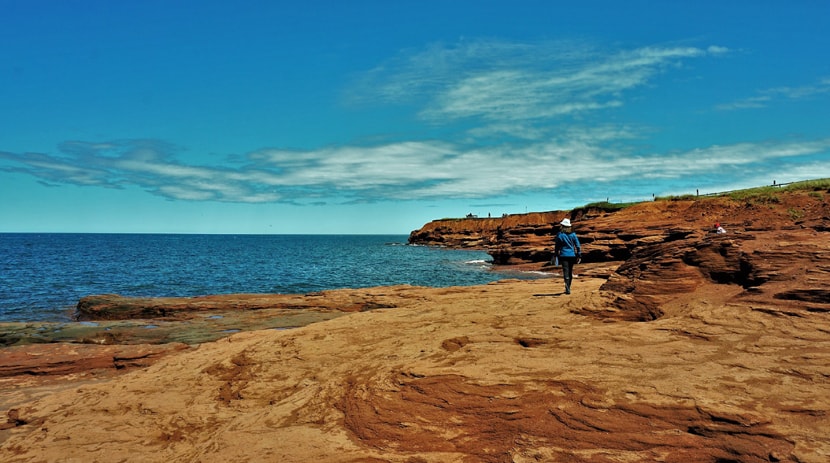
point(185, 194)
point(768, 96)
point(421, 170)
point(503, 82)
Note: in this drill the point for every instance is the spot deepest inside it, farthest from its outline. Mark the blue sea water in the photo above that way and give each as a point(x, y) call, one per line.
point(42, 276)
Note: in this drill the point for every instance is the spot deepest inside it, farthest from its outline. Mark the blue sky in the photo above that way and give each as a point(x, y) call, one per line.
point(379, 116)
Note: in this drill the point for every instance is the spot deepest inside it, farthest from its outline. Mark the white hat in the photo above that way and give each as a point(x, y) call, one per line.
point(565, 222)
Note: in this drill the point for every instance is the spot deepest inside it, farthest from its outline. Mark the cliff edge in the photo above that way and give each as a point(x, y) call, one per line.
point(612, 234)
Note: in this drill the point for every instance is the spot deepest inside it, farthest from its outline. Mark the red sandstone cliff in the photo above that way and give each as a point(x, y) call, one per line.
point(613, 235)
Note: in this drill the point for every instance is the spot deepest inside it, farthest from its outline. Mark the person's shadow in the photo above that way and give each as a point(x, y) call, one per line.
point(549, 295)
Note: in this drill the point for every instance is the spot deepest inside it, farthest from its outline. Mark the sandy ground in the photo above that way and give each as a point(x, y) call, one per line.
point(512, 371)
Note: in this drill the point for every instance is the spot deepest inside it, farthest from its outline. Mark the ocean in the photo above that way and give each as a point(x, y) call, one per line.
point(42, 276)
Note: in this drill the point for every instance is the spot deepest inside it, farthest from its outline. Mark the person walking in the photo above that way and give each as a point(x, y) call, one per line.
point(568, 251)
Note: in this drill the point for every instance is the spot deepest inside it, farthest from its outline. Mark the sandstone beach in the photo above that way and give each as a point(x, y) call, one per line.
point(676, 345)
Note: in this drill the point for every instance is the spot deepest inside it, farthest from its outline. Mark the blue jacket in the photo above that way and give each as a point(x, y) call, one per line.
point(567, 245)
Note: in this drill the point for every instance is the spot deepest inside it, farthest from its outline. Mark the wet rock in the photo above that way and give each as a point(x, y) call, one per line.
point(116, 307)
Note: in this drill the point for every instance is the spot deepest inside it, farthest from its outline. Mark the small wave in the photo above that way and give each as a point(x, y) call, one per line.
point(525, 274)
point(536, 272)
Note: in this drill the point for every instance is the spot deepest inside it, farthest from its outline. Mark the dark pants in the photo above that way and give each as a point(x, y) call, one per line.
point(567, 271)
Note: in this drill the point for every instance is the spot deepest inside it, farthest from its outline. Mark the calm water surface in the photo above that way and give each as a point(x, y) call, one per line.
point(42, 276)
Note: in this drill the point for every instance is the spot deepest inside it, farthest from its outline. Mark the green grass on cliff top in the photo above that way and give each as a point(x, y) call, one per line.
point(759, 194)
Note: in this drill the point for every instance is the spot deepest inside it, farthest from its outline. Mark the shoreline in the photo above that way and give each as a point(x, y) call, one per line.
point(49, 275)
point(275, 311)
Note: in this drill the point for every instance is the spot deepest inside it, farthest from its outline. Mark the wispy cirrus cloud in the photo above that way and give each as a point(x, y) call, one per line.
point(408, 170)
point(764, 98)
point(148, 164)
point(501, 81)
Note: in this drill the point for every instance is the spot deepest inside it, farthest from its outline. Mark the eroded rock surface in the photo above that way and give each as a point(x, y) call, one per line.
point(32, 371)
point(511, 371)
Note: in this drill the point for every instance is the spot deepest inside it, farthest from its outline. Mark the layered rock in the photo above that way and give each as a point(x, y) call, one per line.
point(28, 372)
point(775, 255)
point(769, 269)
point(115, 307)
point(114, 319)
